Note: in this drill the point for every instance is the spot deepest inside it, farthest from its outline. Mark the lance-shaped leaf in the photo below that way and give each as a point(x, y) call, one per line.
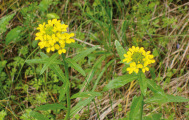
point(120, 50)
point(77, 67)
point(43, 61)
point(63, 90)
point(4, 21)
point(56, 69)
point(154, 87)
point(86, 94)
point(152, 72)
point(53, 66)
point(38, 116)
point(14, 35)
point(142, 82)
point(120, 81)
point(92, 73)
point(165, 98)
point(173, 98)
point(157, 98)
point(46, 107)
point(155, 116)
point(84, 53)
point(80, 105)
point(49, 62)
point(136, 108)
point(101, 74)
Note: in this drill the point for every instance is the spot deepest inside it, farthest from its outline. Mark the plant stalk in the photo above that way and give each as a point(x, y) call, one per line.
point(67, 88)
point(140, 78)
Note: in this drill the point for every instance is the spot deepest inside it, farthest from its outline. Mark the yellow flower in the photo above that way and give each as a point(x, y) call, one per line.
point(53, 36)
point(138, 59)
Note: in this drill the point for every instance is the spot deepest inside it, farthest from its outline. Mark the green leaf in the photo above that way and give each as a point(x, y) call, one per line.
point(101, 74)
point(43, 61)
point(44, 5)
point(172, 98)
point(92, 72)
point(142, 82)
point(154, 87)
point(136, 108)
point(152, 72)
point(77, 67)
point(52, 16)
point(86, 94)
point(2, 65)
point(43, 55)
point(63, 90)
point(120, 81)
point(4, 22)
point(84, 53)
point(74, 45)
point(157, 98)
point(34, 43)
point(56, 69)
point(38, 116)
point(88, 78)
point(165, 98)
point(50, 107)
point(80, 105)
point(155, 52)
point(155, 116)
point(13, 35)
point(50, 61)
point(120, 50)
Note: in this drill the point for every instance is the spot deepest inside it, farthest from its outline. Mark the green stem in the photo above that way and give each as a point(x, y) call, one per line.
point(67, 88)
point(142, 106)
point(140, 78)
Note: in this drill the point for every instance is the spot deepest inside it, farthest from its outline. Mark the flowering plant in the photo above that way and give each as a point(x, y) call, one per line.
point(53, 36)
point(139, 59)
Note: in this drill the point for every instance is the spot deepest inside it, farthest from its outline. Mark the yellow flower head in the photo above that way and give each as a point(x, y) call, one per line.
point(53, 36)
point(138, 59)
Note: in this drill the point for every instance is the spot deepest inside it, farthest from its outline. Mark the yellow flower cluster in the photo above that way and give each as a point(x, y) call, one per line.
point(139, 59)
point(53, 36)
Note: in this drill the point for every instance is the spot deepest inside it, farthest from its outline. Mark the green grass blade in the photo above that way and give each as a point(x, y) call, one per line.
point(102, 24)
point(101, 74)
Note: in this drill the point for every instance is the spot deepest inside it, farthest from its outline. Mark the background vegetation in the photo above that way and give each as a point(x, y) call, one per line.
point(158, 26)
